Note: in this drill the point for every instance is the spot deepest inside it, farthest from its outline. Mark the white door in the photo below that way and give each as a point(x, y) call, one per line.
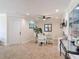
point(15, 31)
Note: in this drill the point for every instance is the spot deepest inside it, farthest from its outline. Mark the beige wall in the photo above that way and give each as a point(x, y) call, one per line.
point(56, 31)
point(27, 34)
point(72, 5)
point(15, 26)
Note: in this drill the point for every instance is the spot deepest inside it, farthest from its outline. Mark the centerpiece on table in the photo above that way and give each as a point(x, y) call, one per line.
point(77, 44)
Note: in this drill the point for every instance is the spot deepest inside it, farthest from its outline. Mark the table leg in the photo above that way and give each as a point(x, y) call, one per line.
point(60, 48)
point(66, 55)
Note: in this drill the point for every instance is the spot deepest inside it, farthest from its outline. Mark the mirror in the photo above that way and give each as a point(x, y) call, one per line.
point(74, 22)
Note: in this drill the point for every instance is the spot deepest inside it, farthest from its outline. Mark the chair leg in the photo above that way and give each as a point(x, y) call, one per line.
point(40, 43)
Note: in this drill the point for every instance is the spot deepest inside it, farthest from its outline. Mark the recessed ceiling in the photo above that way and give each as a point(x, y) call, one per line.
point(34, 7)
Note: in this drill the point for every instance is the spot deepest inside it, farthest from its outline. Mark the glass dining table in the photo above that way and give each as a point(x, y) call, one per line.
point(68, 47)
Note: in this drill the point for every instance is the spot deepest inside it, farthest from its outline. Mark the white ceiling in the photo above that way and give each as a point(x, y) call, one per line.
point(34, 7)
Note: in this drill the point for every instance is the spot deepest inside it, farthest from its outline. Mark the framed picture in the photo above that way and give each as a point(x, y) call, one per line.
point(32, 25)
point(48, 27)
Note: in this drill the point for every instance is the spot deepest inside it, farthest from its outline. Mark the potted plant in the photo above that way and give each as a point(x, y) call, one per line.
point(37, 31)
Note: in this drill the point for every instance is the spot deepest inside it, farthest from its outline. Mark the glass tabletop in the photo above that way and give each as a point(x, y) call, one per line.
point(70, 47)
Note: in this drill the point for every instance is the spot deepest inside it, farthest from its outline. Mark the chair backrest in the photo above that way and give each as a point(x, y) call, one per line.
point(49, 36)
point(40, 36)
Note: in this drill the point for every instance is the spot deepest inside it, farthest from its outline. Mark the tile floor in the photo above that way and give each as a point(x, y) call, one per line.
point(30, 50)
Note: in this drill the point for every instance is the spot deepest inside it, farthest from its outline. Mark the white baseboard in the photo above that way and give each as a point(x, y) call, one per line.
point(18, 42)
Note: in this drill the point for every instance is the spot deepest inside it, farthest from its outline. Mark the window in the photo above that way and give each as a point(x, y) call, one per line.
point(48, 27)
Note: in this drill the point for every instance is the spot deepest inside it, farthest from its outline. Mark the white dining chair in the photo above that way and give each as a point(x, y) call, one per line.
point(41, 38)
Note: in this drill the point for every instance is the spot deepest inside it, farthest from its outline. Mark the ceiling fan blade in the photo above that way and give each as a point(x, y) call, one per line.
point(43, 17)
point(40, 17)
point(48, 18)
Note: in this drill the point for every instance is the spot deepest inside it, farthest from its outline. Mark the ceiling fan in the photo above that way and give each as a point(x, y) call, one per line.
point(44, 17)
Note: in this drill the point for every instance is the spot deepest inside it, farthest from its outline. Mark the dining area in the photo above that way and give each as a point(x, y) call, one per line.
point(70, 49)
point(44, 39)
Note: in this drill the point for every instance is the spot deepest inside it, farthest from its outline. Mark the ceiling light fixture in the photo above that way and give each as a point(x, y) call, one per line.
point(44, 19)
point(57, 10)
